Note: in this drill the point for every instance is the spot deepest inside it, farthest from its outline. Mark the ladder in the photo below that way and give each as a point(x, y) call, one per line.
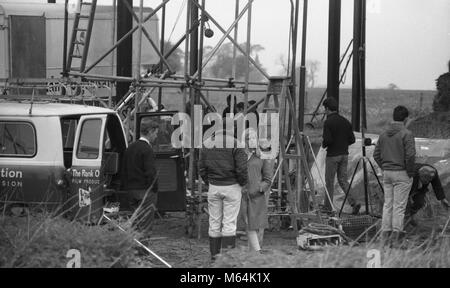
point(279, 90)
point(81, 35)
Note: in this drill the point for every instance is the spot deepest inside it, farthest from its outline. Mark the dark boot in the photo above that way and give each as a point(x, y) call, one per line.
point(228, 243)
point(395, 239)
point(215, 243)
point(385, 238)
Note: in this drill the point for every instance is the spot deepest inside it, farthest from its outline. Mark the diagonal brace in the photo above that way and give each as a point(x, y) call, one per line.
point(147, 35)
point(126, 36)
point(232, 40)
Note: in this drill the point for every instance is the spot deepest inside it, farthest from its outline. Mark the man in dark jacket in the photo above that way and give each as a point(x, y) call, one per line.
point(424, 175)
point(224, 169)
point(395, 155)
point(337, 136)
point(227, 109)
point(139, 175)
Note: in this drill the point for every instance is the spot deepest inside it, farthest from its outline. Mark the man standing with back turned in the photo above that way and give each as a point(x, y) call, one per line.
point(139, 175)
point(395, 155)
point(337, 136)
point(224, 169)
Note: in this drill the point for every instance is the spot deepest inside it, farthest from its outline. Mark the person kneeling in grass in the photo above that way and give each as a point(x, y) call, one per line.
point(424, 176)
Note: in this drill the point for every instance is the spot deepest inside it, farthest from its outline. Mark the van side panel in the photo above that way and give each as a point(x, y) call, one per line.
point(30, 184)
point(39, 178)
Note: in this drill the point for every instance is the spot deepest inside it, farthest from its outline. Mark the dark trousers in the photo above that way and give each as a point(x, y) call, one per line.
point(336, 166)
point(415, 203)
point(144, 207)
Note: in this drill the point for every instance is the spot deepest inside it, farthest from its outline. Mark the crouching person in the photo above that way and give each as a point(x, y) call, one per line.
point(139, 176)
point(224, 169)
point(424, 175)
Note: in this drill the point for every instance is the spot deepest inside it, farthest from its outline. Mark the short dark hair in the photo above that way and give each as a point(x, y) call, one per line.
point(240, 105)
point(331, 103)
point(400, 113)
point(148, 125)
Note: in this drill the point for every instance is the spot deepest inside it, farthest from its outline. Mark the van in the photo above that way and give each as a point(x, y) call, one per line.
point(68, 156)
point(53, 154)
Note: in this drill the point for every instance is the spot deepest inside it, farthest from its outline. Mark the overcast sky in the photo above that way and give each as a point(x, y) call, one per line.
point(408, 41)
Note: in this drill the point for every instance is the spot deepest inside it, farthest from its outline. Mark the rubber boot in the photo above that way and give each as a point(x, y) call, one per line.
point(397, 239)
point(385, 238)
point(228, 243)
point(215, 244)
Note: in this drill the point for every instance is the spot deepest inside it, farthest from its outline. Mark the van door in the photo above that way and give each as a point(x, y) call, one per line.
point(87, 196)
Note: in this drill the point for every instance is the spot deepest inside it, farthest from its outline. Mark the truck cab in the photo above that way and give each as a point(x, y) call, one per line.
point(64, 156)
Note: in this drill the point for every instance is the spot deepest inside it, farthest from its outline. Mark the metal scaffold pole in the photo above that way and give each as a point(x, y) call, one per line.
point(334, 40)
point(248, 51)
point(193, 66)
point(162, 48)
point(302, 93)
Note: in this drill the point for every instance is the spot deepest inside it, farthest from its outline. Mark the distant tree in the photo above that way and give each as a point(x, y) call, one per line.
point(174, 59)
point(283, 63)
point(312, 67)
point(222, 62)
point(392, 86)
point(441, 102)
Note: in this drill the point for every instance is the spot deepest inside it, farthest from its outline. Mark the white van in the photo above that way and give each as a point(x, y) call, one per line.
point(53, 154)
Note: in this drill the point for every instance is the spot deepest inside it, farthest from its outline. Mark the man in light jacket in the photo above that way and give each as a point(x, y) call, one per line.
point(224, 170)
point(395, 155)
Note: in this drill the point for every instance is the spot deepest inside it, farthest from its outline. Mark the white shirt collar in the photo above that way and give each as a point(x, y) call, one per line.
point(145, 140)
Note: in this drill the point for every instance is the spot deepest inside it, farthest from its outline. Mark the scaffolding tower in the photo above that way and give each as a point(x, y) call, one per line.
point(287, 93)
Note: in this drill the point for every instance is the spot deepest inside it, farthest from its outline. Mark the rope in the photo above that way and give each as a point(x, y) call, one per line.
point(445, 227)
point(367, 231)
point(320, 175)
point(177, 19)
point(139, 243)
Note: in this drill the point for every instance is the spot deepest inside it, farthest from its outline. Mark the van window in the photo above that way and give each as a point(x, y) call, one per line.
point(17, 139)
point(88, 145)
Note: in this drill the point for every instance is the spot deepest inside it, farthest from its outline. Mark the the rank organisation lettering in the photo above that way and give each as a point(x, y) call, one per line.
point(227, 277)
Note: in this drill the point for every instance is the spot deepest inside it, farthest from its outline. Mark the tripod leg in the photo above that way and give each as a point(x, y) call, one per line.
point(376, 176)
point(349, 187)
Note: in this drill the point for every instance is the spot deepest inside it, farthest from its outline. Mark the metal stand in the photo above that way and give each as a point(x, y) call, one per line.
point(364, 161)
point(359, 46)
